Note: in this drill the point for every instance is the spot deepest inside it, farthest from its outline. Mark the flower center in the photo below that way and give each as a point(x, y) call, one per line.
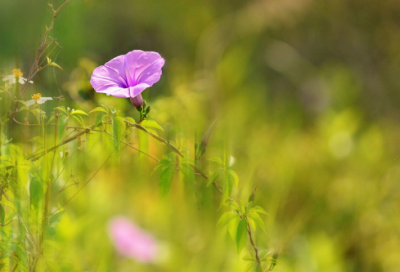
point(37, 96)
point(17, 73)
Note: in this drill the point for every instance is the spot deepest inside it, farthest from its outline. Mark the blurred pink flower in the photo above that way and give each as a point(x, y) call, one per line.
point(131, 241)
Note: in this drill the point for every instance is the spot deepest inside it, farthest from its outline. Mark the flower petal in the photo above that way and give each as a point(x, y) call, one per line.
point(138, 61)
point(21, 80)
point(118, 65)
point(107, 80)
point(136, 90)
point(151, 74)
point(30, 103)
point(10, 78)
point(121, 92)
point(43, 99)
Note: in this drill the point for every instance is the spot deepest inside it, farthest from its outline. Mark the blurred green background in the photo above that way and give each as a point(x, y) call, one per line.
point(307, 95)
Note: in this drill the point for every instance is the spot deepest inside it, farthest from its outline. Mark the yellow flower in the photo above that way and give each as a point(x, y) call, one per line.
point(17, 72)
point(37, 96)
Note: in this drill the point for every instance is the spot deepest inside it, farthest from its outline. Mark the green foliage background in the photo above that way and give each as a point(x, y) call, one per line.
point(307, 96)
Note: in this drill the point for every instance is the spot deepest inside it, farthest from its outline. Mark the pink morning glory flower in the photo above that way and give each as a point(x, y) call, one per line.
point(128, 75)
point(131, 241)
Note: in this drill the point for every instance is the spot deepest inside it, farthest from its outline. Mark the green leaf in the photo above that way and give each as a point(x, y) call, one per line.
point(98, 109)
point(99, 118)
point(162, 164)
point(228, 185)
point(62, 109)
point(217, 160)
point(252, 223)
point(241, 235)
point(233, 205)
point(258, 268)
point(226, 218)
point(36, 113)
point(152, 131)
point(36, 192)
point(187, 171)
point(2, 215)
point(248, 257)
point(251, 266)
point(55, 218)
point(130, 120)
point(79, 120)
point(62, 125)
point(258, 209)
point(22, 256)
point(263, 255)
point(151, 124)
point(213, 177)
point(79, 112)
point(257, 219)
point(55, 65)
point(52, 118)
point(166, 179)
point(119, 129)
point(235, 177)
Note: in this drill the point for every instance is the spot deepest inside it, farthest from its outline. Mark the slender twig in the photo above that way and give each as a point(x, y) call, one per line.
point(37, 156)
point(31, 125)
point(35, 68)
point(158, 138)
point(252, 242)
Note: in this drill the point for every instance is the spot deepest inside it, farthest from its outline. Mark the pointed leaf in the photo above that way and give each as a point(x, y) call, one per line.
point(234, 176)
point(213, 177)
point(166, 179)
point(99, 118)
point(241, 235)
point(63, 122)
point(118, 130)
point(228, 185)
point(258, 209)
point(256, 217)
point(78, 120)
point(187, 172)
point(130, 120)
point(217, 160)
point(226, 218)
point(2, 215)
point(252, 223)
point(98, 109)
point(62, 109)
point(233, 205)
point(55, 218)
point(250, 266)
point(79, 112)
point(263, 255)
point(55, 65)
point(151, 124)
point(36, 192)
point(248, 257)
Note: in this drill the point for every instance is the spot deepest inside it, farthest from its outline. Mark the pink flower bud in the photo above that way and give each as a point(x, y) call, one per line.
point(137, 101)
